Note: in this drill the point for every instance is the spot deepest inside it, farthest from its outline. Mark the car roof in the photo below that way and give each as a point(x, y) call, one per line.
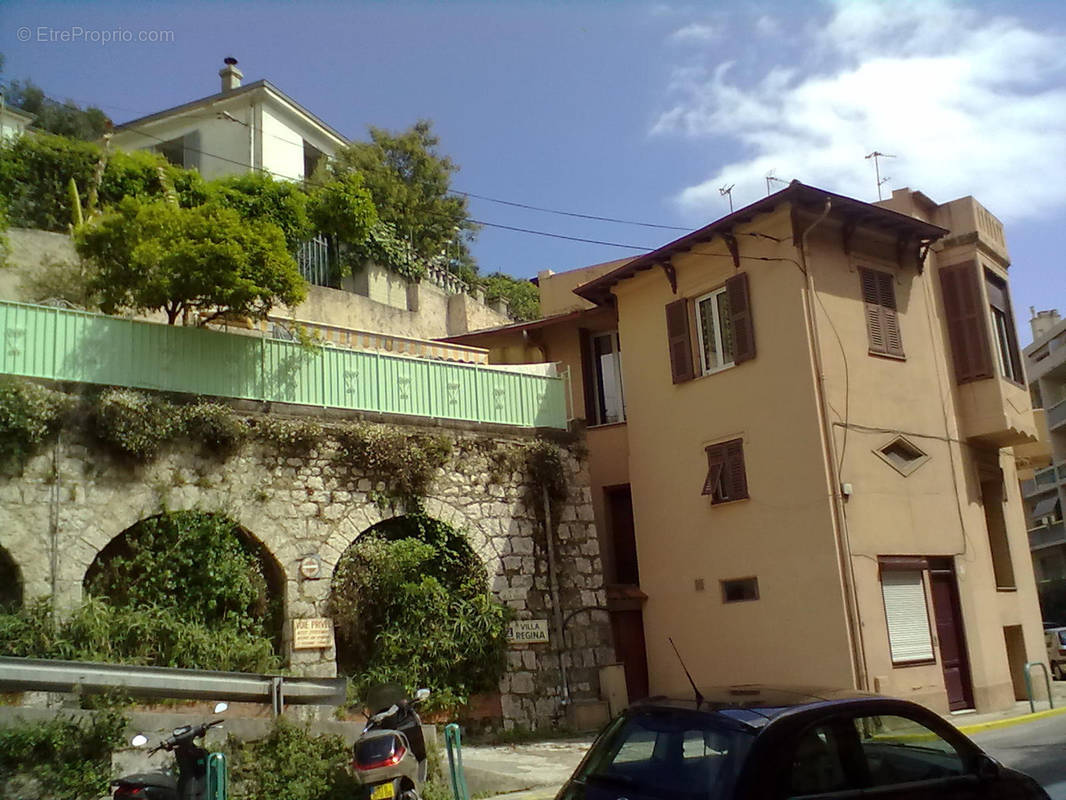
point(754, 705)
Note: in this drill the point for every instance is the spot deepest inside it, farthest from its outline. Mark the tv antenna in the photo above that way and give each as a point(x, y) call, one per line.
point(876, 155)
point(770, 180)
point(727, 191)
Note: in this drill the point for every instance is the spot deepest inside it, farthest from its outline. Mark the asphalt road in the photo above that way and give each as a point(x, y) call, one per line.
point(1037, 748)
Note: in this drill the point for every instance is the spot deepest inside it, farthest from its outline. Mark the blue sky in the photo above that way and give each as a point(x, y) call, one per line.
point(639, 111)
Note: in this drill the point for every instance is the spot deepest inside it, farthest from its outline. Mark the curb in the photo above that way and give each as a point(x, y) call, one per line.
point(980, 727)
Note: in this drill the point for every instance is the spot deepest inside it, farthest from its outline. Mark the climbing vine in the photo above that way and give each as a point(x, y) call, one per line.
point(401, 466)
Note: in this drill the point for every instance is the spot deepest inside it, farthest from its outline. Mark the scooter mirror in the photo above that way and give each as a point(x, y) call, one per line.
point(220, 707)
point(421, 694)
point(140, 740)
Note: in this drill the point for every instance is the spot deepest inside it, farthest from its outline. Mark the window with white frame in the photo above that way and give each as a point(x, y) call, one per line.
point(606, 354)
point(907, 614)
point(715, 331)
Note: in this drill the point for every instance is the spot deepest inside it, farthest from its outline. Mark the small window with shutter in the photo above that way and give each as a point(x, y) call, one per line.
point(724, 331)
point(882, 319)
point(907, 614)
point(726, 479)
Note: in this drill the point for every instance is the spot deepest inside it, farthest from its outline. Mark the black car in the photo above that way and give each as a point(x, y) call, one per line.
point(762, 743)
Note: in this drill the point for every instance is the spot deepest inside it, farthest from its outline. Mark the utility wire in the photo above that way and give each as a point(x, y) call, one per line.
point(567, 213)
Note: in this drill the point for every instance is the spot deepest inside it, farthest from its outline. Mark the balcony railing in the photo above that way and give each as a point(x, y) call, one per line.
point(57, 344)
point(1047, 535)
point(1056, 415)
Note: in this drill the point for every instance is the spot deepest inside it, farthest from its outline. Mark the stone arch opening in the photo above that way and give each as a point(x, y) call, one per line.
point(10, 583)
point(410, 603)
point(203, 564)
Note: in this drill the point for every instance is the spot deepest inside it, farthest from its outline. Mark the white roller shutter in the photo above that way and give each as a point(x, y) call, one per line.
point(907, 615)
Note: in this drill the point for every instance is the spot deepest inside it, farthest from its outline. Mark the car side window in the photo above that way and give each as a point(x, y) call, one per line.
point(817, 765)
point(900, 750)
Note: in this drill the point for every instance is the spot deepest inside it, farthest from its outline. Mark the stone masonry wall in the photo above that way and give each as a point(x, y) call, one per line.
point(71, 500)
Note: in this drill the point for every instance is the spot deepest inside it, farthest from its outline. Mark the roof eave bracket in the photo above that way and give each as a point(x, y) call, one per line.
point(671, 274)
point(734, 250)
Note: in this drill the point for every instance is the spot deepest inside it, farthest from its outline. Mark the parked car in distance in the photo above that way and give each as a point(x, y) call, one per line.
point(763, 743)
point(1055, 639)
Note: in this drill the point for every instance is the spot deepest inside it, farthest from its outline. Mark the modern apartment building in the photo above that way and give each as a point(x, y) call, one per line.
point(1042, 466)
point(800, 420)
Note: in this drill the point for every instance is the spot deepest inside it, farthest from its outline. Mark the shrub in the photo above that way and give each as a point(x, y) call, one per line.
point(63, 758)
point(132, 424)
point(191, 561)
point(292, 763)
point(29, 414)
point(411, 605)
point(152, 635)
point(405, 464)
point(216, 427)
point(293, 437)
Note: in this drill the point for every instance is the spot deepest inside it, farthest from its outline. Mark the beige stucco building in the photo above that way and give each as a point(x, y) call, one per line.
point(800, 421)
point(1042, 465)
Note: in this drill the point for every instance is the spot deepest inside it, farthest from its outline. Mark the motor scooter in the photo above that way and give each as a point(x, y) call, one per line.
point(389, 757)
point(190, 782)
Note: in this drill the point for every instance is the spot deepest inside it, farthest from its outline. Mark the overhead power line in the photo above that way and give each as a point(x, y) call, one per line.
point(568, 213)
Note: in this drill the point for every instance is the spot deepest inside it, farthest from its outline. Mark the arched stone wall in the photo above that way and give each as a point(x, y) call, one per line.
point(73, 501)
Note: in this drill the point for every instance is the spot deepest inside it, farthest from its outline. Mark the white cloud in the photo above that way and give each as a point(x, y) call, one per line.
point(969, 104)
point(695, 32)
point(767, 26)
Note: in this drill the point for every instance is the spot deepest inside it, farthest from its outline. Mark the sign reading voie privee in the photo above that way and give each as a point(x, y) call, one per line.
point(527, 631)
point(312, 634)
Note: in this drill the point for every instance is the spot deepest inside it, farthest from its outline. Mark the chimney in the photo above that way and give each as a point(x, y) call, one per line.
point(1043, 322)
point(231, 76)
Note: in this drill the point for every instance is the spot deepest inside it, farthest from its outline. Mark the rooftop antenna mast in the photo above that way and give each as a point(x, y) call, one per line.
point(876, 155)
point(727, 191)
point(770, 180)
point(699, 696)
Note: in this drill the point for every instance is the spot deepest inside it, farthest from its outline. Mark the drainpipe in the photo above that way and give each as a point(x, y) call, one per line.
point(840, 523)
point(553, 587)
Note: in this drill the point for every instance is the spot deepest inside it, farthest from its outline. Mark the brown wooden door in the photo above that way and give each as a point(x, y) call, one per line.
point(628, 629)
point(950, 635)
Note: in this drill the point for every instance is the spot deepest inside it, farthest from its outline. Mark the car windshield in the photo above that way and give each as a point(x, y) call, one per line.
point(661, 751)
point(1062, 637)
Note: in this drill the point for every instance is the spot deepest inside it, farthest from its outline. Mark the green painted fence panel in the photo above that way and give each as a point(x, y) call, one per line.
point(59, 344)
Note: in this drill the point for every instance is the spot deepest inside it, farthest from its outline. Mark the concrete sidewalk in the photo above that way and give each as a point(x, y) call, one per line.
point(536, 770)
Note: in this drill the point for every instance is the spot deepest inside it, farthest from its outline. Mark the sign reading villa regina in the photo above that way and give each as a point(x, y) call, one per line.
point(527, 631)
point(312, 634)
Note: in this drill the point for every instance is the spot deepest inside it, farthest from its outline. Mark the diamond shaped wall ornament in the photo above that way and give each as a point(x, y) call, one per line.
point(902, 455)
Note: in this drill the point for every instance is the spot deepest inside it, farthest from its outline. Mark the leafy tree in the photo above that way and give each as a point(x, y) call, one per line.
point(257, 196)
point(409, 182)
point(152, 256)
point(65, 119)
point(522, 297)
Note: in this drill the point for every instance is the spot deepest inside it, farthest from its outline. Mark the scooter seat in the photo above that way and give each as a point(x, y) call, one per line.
point(155, 780)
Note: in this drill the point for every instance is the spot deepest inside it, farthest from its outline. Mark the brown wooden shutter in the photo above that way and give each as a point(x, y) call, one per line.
point(967, 327)
point(740, 311)
point(736, 479)
point(680, 341)
point(588, 377)
point(716, 456)
point(882, 319)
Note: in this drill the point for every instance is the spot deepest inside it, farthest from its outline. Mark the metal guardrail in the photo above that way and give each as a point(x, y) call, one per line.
point(41, 675)
point(63, 345)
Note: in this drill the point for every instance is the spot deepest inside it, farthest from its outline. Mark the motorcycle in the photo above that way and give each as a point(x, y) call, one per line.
point(389, 757)
point(190, 782)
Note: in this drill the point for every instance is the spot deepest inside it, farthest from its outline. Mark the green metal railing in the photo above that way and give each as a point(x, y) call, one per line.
point(59, 344)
